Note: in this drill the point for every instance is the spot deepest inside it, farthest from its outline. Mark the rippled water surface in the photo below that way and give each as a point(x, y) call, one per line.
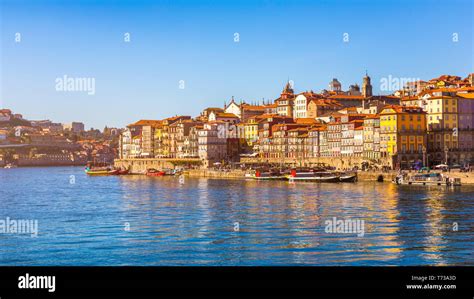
point(83, 221)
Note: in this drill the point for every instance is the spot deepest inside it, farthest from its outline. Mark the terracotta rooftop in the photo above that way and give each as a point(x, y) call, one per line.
point(147, 122)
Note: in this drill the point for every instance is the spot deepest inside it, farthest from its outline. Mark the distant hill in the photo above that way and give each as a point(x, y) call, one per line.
point(15, 122)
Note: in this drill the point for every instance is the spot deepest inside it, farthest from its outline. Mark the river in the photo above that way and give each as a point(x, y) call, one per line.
point(139, 220)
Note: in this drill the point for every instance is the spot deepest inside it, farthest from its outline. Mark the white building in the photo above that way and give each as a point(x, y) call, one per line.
point(223, 116)
point(125, 144)
point(233, 108)
point(212, 143)
point(300, 108)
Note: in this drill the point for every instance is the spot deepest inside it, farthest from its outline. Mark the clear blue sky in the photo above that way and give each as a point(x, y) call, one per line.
point(194, 41)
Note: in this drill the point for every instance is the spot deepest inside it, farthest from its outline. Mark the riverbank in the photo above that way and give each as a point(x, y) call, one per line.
point(139, 166)
point(239, 174)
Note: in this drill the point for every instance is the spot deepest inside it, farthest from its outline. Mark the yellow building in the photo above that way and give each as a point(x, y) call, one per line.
point(403, 134)
point(251, 131)
point(442, 123)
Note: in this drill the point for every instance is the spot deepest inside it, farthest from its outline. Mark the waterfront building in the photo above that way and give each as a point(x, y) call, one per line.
point(212, 146)
point(334, 138)
point(312, 142)
point(144, 131)
point(403, 135)
point(191, 142)
point(283, 144)
point(125, 144)
point(371, 137)
point(358, 144)
point(297, 144)
point(442, 118)
point(251, 131)
point(323, 143)
point(265, 132)
point(348, 137)
point(466, 127)
point(165, 147)
point(177, 133)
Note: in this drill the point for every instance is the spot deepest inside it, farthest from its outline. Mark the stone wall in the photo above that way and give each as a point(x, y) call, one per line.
point(138, 166)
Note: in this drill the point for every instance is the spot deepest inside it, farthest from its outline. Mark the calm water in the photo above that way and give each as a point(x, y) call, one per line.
point(85, 222)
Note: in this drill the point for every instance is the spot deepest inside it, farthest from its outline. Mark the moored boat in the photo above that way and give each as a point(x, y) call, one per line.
point(123, 171)
point(426, 179)
point(348, 177)
point(10, 165)
point(155, 172)
point(272, 174)
point(313, 176)
point(100, 172)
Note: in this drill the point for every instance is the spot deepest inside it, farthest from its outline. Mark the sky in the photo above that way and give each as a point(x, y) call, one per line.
point(184, 56)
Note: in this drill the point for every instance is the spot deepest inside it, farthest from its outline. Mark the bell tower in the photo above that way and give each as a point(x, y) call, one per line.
point(366, 86)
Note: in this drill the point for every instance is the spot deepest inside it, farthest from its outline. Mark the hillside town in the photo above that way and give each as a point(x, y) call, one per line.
point(424, 123)
point(45, 143)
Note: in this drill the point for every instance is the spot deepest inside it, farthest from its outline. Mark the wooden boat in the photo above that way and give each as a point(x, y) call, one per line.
point(313, 176)
point(155, 172)
point(123, 171)
point(348, 177)
point(101, 172)
point(272, 174)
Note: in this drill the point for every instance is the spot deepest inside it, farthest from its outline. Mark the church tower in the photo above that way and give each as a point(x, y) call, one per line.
point(287, 92)
point(366, 86)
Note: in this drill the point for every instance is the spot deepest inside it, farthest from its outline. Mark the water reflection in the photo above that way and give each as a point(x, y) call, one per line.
point(193, 223)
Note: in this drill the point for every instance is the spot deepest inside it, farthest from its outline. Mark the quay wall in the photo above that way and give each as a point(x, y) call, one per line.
point(139, 166)
point(362, 175)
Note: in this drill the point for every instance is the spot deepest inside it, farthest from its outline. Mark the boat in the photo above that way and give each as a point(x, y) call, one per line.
point(10, 165)
point(123, 171)
point(348, 177)
point(101, 172)
point(155, 172)
point(100, 169)
point(424, 179)
point(266, 175)
point(313, 176)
